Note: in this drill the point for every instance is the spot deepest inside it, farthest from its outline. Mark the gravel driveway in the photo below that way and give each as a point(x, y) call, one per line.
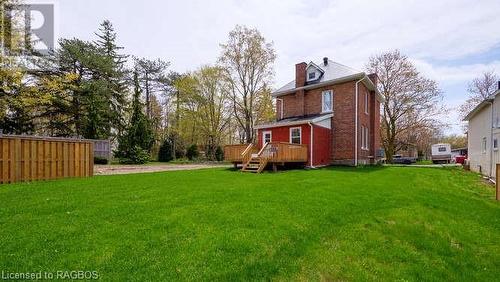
point(126, 169)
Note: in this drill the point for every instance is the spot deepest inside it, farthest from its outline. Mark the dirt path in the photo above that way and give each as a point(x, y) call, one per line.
point(126, 169)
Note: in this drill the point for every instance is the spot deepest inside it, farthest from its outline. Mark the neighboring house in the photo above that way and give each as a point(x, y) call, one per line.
point(484, 134)
point(333, 109)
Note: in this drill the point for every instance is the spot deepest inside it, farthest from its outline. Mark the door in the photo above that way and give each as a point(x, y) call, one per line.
point(267, 137)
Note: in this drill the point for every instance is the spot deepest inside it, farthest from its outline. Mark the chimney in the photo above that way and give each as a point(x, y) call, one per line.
point(374, 78)
point(300, 74)
point(325, 61)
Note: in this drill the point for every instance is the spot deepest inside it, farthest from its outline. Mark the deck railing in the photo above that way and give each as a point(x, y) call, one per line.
point(272, 151)
point(284, 152)
point(239, 153)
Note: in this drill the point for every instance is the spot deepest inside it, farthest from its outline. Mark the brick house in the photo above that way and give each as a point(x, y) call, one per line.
point(331, 108)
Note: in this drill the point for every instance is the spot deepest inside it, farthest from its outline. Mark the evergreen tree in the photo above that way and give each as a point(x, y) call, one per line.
point(138, 138)
point(116, 74)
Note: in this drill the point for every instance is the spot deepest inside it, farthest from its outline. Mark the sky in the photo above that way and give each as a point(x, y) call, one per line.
point(450, 41)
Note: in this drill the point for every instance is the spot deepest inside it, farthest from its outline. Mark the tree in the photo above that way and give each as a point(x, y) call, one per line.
point(151, 74)
point(213, 113)
point(248, 63)
point(455, 140)
point(479, 89)
point(138, 138)
point(412, 102)
point(116, 75)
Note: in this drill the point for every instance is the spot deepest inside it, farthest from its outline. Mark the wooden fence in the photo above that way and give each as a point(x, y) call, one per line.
point(27, 158)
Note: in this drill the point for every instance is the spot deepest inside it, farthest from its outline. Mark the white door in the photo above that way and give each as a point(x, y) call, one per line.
point(267, 137)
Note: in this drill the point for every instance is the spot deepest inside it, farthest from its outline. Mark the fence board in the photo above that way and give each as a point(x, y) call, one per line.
point(25, 158)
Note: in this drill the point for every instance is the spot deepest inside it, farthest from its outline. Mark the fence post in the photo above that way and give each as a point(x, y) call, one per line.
point(497, 196)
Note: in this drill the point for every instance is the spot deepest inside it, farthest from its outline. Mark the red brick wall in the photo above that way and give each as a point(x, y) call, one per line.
point(342, 139)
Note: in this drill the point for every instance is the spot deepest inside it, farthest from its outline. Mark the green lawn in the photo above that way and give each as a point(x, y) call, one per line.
point(376, 223)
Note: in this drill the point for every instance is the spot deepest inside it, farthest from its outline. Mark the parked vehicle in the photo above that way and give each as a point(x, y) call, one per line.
point(460, 159)
point(441, 153)
point(398, 159)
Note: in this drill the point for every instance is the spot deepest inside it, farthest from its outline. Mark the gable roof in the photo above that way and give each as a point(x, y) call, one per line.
point(481, 106)
point(333, 73)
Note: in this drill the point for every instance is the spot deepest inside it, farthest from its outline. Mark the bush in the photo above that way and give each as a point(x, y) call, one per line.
point(219, 154)
point(180, 150)
point(192, 152)
point(136, 155)
point(100, 160)
point(165, 152)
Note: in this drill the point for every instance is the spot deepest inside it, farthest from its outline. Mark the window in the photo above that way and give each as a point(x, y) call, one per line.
point(296, 135)
point(312, 75)
point(327, 101)
point(266, 137)
point(365, 137)
point(367, 100)
point(483, 145)
point(495, 144)
point(442, 149)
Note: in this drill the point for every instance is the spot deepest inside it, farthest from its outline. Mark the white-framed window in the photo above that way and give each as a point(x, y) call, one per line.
point(327, 101)
point(367, 101)
point(365, 137)
point(483, 145)
point(267, 136)
point(495, 144)
point(296, 135)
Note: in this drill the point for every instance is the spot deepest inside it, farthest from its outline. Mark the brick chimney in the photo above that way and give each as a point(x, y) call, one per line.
point(374, 78)
point(300, 80)
point(300, 74)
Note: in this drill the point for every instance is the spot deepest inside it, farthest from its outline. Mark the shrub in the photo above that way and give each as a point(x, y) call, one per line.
point(219, 154)
point(192, 152)
point(136, 155)
point(100, 160)
point(165, 152)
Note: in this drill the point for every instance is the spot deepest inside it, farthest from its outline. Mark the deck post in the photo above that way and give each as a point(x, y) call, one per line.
point(275, 167)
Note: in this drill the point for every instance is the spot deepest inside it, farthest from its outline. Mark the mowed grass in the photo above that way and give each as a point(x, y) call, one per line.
point(350, 224)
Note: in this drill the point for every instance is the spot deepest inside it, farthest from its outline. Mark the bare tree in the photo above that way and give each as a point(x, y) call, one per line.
point(479, 89)
point(247, 60)
point(412, 102)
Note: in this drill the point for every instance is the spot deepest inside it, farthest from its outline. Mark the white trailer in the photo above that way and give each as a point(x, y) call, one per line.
point(441, 153)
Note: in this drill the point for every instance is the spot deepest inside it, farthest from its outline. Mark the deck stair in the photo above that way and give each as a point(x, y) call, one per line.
point(256, 164)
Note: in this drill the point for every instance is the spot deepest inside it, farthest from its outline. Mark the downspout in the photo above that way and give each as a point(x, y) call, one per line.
point(491, 141)
point(281, 107)
point(356, 124)
point(311, 145)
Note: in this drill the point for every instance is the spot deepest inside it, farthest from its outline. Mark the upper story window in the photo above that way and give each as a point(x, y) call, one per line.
point(296, 135)
point(327, 101)
point(311, 76)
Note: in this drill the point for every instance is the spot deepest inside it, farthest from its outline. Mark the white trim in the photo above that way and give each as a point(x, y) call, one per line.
point(290, 134)
point(323, 101)
point(296, 122)
point(264, 136)
point(356, 106)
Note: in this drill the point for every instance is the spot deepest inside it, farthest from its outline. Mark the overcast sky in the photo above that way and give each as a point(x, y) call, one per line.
point(449, 41)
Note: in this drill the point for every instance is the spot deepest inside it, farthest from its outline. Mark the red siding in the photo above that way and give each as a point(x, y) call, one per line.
point(321, 146)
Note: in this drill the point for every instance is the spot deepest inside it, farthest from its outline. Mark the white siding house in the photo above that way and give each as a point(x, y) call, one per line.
point(484, 135)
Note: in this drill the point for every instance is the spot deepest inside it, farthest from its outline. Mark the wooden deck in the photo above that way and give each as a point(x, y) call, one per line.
point(255, 160)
